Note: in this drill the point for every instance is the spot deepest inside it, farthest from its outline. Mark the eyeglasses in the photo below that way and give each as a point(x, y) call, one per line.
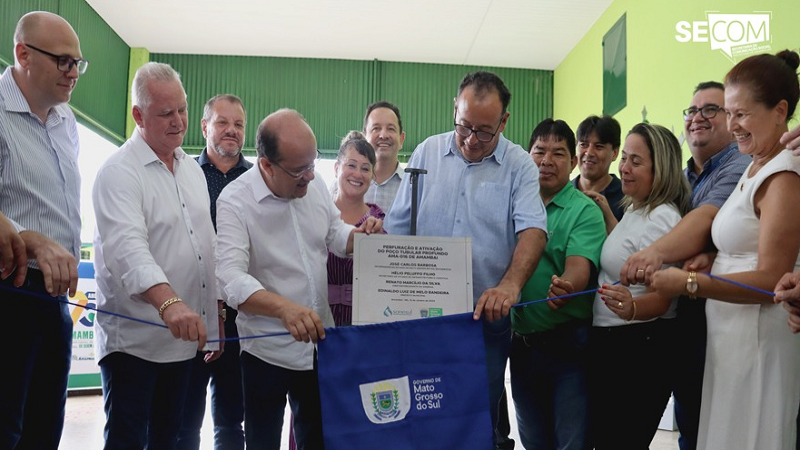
point(298, 175)
point(707, 112)
point(64, 63)
point(483, 136)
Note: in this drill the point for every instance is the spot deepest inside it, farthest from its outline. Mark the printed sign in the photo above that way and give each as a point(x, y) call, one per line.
point(84, 372)
point(410, 277)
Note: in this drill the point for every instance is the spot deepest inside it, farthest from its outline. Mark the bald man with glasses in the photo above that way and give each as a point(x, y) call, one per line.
point(40, 227)
point(275, 225)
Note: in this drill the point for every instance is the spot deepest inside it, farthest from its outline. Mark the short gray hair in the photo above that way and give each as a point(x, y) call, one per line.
point(140, 95)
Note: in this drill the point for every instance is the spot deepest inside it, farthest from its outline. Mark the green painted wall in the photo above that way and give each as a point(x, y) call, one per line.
point(139, 56)
point(333, 94)
point(99, 98)
point(662, 72)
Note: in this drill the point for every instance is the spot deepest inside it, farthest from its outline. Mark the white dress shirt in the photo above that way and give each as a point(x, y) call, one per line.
point(153, 227)
point(266, 242)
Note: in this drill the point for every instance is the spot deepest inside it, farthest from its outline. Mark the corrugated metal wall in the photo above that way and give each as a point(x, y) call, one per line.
point(100, 96)
point(330, 94)
point(333, 94)
point(425, 92)
point(10, 12)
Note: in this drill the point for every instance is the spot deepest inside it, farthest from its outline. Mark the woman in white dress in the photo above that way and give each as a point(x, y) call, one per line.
point(632, 329)
point(751, 386)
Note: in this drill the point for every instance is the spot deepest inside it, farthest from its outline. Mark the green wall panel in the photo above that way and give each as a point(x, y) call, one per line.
point(425, 92)
point(10, 12)
point(333, 94)
point(615, 68)
point(100, 96)
point(139, 56)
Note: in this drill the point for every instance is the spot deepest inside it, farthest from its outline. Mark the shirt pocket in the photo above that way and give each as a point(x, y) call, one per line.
point(492, 203)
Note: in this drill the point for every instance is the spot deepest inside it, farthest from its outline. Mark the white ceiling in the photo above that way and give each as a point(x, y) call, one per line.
point(535, 34)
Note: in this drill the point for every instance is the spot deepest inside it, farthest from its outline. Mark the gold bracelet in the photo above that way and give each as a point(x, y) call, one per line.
point(633, 316)
point(166, 304)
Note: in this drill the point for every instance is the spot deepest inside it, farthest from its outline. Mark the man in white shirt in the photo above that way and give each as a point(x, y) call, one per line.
point(275, 225)
point(154, 257)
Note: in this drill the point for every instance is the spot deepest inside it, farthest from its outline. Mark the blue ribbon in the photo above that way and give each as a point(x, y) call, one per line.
point(742, 285)
point(574, 294)
point(286, 333)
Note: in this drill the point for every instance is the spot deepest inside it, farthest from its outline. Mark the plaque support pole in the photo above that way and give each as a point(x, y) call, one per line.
point(415, 173)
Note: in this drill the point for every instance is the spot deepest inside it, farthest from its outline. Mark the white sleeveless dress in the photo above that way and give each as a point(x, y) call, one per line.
point(751, 386)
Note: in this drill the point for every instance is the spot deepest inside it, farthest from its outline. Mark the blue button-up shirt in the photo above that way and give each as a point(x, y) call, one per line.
point(489, 201)
point(719, 177)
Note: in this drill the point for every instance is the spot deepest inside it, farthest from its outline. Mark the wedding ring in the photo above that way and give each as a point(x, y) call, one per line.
point(640, 271)
point(619, 304)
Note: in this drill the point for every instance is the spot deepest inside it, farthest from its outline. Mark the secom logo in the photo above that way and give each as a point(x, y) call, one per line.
point(736, 35)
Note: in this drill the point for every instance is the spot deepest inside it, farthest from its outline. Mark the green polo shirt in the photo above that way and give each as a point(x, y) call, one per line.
point(576, 228)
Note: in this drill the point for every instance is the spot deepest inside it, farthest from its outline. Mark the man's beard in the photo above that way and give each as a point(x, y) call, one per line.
point(229, 154)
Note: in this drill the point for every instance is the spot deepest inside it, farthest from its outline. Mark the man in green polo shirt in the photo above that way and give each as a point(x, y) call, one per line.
point(548, 355)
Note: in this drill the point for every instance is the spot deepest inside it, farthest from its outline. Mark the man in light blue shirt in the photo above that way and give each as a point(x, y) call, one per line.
point(481, 185)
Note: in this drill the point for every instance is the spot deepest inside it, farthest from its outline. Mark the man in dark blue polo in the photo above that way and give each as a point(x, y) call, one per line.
point(223, 123)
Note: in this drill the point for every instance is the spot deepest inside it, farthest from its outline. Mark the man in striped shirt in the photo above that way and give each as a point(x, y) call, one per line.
point(39, 194)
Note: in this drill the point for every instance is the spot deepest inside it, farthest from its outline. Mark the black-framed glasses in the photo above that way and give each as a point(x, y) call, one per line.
point(707, 112)
point(64, 63)
point(483, 136)
point(303, 171)
point(465, 131)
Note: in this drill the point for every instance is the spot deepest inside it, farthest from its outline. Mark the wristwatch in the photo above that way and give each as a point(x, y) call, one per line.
point(223, 313)
point(691, 285)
